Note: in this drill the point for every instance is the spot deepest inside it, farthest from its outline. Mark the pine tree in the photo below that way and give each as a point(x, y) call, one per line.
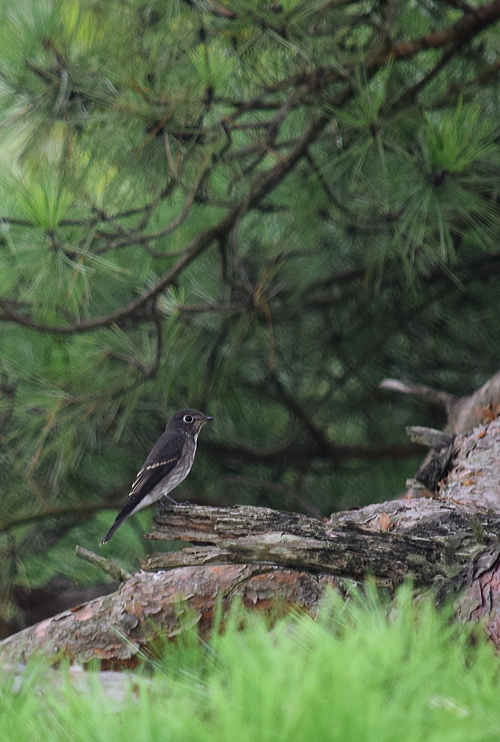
point(259, 209)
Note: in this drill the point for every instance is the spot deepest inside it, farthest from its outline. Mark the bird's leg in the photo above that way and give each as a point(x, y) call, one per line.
point(166, 498)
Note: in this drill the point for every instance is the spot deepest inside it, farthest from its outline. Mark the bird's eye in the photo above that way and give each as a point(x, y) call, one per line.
point(188, 418)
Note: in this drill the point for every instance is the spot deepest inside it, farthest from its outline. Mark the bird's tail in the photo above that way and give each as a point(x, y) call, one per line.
point(119, 520)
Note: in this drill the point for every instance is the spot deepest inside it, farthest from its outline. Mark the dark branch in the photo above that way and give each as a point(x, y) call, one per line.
point(457, 34)
point(248, 535)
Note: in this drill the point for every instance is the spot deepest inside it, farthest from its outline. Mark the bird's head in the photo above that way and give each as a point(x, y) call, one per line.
point(189, 422)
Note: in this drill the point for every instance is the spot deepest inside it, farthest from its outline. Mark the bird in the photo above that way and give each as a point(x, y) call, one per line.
point(167, 465)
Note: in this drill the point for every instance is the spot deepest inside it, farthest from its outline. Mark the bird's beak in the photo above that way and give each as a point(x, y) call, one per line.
point(207, 419)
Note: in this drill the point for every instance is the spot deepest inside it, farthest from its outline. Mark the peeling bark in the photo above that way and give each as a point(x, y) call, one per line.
point(262, 536)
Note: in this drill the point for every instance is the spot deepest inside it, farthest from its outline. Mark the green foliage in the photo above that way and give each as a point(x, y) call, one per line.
point(257, 209)
point(363, 671)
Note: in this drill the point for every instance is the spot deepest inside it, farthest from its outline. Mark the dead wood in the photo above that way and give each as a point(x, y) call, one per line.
point(463, 413)
point(107, 565)
point(245, 535)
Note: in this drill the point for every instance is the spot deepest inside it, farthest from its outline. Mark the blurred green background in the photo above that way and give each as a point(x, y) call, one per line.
point(257, 209)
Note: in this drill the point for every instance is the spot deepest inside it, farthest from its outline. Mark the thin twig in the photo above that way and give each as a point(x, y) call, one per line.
point(107, 565)
point(436, 397)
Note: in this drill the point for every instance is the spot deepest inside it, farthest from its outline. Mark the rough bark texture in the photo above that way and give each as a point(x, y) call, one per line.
point(263, 536)
point(152, 607)
point(448, 543)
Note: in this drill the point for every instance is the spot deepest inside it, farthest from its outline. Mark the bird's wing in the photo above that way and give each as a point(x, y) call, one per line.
point(151, 474)
point(164, 457)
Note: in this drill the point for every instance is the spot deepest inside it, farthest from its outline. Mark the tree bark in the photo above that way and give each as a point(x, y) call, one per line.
point(447, 543)
point(245, 535)
point(152, 607)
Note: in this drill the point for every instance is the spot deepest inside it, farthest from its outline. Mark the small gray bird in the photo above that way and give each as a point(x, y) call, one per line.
point(167, 465)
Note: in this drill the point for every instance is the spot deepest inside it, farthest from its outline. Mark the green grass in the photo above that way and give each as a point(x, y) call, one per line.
point(363, 672)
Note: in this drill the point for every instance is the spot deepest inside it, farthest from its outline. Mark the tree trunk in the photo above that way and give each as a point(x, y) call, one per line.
point(447, 542)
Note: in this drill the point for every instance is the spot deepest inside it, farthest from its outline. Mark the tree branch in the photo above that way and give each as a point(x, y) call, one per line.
point(260, 536)
point(80, 510)
point(458, 34)
point(107, 565)
point(427, 393)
